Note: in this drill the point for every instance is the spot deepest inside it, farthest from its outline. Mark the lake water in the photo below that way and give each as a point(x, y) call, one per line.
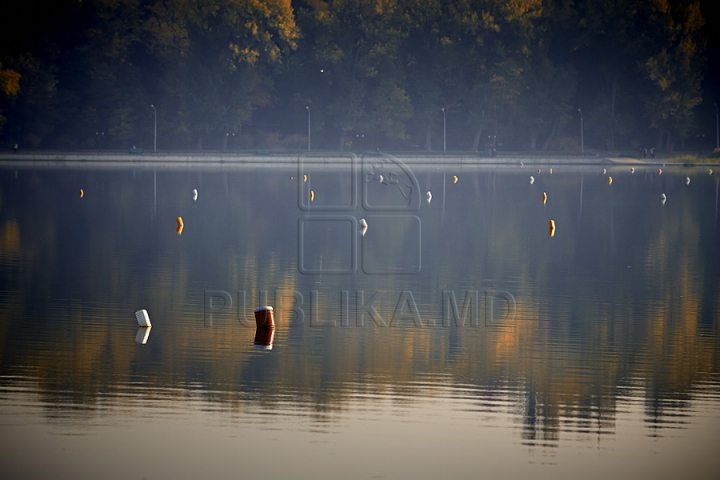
point(458, 337)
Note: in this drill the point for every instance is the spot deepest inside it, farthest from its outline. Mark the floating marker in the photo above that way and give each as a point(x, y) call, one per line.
point(532, 179)
point(687, 180)
point(429, 197)
point(551, 171)
point(142, 335)
point(664, 198)
point(454, 178)
point(609, 180)
point(381, 179)
point(143, 318)
point(659, 171)
point(82, 193)
point(710, 171)
point(604, 171)
point(195, 194)
point(544, 197)
point(551, 224)
point(265, 317)
point(632, 170)
point(538, 170)
point(364, 226)
point(180, 225)
point(304, 178)
point(312, 195)
point(522, 164)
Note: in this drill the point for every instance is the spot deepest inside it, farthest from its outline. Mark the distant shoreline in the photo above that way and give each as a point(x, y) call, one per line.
point(195, 160)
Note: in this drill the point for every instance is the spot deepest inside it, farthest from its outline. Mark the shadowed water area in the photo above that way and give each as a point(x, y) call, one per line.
point(459, 336)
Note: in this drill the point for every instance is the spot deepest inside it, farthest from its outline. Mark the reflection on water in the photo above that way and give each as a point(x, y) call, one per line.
point(454, 337)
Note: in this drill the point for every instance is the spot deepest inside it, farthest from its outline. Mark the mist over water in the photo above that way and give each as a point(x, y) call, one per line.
point(455, 337)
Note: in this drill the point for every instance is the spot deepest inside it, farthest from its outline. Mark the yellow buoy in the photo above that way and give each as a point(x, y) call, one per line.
point(82, 193)
point(180, 225)
point(551, 171)
point(312, 195)
point(454, 178)
point(659, 171)
point(609, 180)
point(551, 224)
point(304, 178)
point(544, 197)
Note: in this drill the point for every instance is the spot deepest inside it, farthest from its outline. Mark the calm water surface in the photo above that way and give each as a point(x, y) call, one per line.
point(455, 338)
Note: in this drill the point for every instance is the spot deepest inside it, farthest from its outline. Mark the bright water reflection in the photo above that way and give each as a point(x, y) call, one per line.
point(606, 362)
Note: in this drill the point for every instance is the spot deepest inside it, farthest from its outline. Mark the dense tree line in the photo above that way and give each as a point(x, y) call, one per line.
point(239, 74)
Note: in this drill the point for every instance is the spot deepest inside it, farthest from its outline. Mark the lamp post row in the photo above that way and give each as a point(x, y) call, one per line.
point(582, 132)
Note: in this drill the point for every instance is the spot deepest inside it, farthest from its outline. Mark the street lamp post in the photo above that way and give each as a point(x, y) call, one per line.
point(309, 132)
point(444, 132)
point(155, 130)
point(717, 127)
point(582, 140)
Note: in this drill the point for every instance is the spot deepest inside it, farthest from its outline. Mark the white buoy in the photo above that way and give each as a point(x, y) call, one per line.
point(429, 197)
point(195, 194)
point(604, 171)
point(664, 198)
point(143, 318)
point(632, 169)
point(687, 180)
point(381, 179)
point(710, 171)
point(532, 179)
point(364, 226)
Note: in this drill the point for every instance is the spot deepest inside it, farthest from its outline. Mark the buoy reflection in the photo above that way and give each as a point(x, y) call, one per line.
point(264, 338)
point(142, 335)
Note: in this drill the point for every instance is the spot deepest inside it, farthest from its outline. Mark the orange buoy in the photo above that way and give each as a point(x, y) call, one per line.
point(180, 225)
point(82, 193)
point(551, 224)
point(609, 180)
point(544, 197)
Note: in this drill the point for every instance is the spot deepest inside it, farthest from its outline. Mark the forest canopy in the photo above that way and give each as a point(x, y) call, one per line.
point(367, 74)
